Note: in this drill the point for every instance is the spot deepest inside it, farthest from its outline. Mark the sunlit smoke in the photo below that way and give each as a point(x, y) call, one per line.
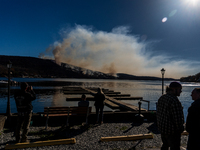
point(114, 52)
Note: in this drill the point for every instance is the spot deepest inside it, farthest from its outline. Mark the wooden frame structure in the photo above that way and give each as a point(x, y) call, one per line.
point(66, 111)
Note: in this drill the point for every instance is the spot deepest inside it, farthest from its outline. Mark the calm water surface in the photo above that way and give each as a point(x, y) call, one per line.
point(53, 96)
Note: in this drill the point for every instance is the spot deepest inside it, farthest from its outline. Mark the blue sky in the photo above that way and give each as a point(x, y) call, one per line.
point(106, 35)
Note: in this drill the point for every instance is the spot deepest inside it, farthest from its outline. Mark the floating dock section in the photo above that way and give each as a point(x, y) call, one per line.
point(112, 98)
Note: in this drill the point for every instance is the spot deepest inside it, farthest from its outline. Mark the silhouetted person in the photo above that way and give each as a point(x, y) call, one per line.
point(23, 99)
point(193, 121)
point(99, 105)
point(170, 118)
point(83, 102)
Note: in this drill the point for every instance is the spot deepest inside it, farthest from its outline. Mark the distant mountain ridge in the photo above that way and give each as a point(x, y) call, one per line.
point(132, 77)
point(45, 68)
point(192, 78)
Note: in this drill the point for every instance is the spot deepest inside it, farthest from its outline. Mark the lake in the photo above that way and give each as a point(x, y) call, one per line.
point(53, 95)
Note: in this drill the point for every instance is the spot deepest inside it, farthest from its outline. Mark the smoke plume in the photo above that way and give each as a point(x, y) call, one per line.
point(114, 52)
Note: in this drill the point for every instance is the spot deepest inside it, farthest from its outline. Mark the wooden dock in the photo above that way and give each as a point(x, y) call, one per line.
point(117, 95)
point(92, 98)
point(128, 98)
point(79, 98)
point(86, 92)
point(112, 98)
point(81, 89)
point(125, 105)
point(107, 102)
point(121, 104)
point(111, 104)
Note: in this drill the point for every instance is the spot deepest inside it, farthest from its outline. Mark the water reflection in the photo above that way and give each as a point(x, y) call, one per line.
point(53, 95)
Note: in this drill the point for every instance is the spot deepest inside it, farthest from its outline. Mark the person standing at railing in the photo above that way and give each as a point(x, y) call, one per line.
point(99, 105)
point(170, 118)
point(23, 99)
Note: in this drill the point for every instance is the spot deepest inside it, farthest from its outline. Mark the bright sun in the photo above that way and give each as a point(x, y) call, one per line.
point(192, 2)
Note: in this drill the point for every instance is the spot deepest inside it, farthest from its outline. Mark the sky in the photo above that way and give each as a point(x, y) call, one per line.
point(138, 37)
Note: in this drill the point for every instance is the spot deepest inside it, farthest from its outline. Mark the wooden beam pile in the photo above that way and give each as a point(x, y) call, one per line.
point(127, 137)
point(41, 143)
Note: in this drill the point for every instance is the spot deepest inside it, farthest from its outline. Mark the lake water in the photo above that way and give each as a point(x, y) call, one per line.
point(53, 96)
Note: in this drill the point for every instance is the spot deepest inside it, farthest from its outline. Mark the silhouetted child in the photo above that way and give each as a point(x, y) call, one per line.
point(83, 102)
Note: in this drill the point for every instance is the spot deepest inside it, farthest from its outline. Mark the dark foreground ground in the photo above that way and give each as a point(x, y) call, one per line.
point(88, 138)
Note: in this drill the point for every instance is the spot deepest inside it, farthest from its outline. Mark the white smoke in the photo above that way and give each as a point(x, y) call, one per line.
point(114, 52)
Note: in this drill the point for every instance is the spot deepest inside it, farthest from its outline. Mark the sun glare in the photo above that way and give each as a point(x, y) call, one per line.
point(191, 2)
point(164, 19)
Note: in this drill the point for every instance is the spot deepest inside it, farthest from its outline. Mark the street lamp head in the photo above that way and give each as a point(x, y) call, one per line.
point(162, 71)
point(9, 65)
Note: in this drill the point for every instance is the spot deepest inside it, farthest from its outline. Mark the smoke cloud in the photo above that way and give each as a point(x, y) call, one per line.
point(114, 52)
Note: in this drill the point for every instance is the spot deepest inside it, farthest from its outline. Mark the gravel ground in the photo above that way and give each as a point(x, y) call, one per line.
point(89, 138)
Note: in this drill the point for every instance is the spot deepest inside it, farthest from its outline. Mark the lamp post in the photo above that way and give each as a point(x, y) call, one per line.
point(8, 112)
point(162, 72)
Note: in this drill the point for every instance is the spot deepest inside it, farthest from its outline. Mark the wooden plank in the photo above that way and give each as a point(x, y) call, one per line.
point(79, 98)
point(56, 107)
point(111, 105)
point(95, 89)
point(41, 143)
point(71, 88)
point(66, 111)
point(107, 102)
point(92, 98)
point(63, 111)
point(120, 103)
point(112, 92)
point(80, 88)
point(125, 105)
point(76, 92)
point(117, 95)
point(55, 115)
point(127, 137)
point(2, 121)
point(70, 114)
point(128, 98)
point(86, 92)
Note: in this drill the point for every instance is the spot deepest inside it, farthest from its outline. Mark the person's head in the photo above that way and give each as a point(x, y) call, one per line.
point(83, 97)
point(99, 90)
point(175, 88)
point(195, 94)
point(24, 86)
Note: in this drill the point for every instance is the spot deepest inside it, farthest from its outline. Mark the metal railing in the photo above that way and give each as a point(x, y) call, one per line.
point(147, 102)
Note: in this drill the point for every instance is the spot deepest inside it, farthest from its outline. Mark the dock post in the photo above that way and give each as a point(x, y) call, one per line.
point(139, 103)
point(139, 117)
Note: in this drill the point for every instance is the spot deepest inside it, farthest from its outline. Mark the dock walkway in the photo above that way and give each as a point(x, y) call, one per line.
point(121, 104)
